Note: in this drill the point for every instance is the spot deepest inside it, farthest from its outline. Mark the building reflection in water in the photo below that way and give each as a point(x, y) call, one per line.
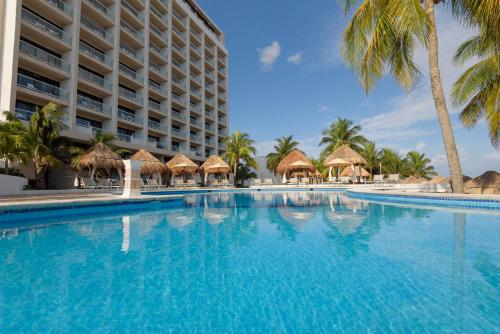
point(126, 234)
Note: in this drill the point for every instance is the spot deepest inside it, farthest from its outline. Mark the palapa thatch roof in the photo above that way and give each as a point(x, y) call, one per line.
point(345, 152)
point(214, 165)
point(413, 179)
point(439, 179)
point(181, 164)
point(295, 160)
point(151, 164)
point(101, 156)
point(487, 183)
point(348, 171)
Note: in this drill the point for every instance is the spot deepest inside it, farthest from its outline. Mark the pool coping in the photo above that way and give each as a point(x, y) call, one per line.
point(491, 202)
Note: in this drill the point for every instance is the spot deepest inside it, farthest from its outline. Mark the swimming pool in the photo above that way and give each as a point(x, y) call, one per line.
point(275, 262)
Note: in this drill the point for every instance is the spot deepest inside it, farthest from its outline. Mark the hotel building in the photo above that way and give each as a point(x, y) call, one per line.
point(153, 72)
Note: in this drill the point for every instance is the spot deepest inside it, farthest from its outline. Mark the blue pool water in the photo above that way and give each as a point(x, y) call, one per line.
point(301, 262)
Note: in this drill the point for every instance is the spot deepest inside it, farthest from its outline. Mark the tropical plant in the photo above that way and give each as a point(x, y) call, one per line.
point(392, 162)
point(244, 173)
point(418, 165)
point(381, 38)
point(283, 146)
point(240, 147)
point(319, 166)
point(339, 133)
point(478, 88)
point(12, 133)
point(371, 154)
point(41, 141)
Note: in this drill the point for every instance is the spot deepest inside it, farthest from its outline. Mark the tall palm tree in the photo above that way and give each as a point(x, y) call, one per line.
point(418, 165)
point(283, 146)
point(382, 36)
point(41, 139)
point(371, 154)
point(240, 147)
point(478, 88)
point(339, 133)
point(392, 161)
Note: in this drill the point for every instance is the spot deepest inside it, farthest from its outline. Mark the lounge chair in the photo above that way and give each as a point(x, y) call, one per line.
point(214, 183)
point(293, 180)
point(345, 179)
point(256, 182)
point(377, 179)
point(268, 182)
point(305, 181)
point(224, 183)
point(88, 183)
point(331, 179)
point(152, 184)
point(393, 178)
point(191, 183)
point(179, 183)
point(115, 184)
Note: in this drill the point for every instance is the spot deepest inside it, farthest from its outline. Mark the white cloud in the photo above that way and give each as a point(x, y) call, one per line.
point(269, 54)
point(323, 108)
point(420, 146)
point(295, 58)
point(493, 158)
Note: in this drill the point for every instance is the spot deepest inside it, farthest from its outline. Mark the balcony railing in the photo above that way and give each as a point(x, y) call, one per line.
point(130, 95)
point(180, 66)
point(157, 107)
point(133, 11)
point(129, 117)
point(102, 8)
point(195, 152)
point(178, 133)
point(222, 96)
point(24, 115)
point(95, 79)
point(196, 138)
point(209, 127)
point(157, 126)
point(44, 56)
point(96, 54)
point(211, 75)
point(179, 49)
point(131, 73)
point(157, 88)
point(196, 92)
point(196, 62)
point(62, 6)
point(156, 144)
point(211, 48)
point(209, 87)
point(157, 49)
point(180, 18)
point(196, 34)
point(209, 114)
point(196, 78)
point(87, 103)
point(222, 132)
point(157, 69)
point(179, 99)
point(179, 82)
point(96, 29)
point(161, 34)
point(136, 34)
point(179, 33)
point(210, 101)
point(88, 128)
point(131, 52)
point(42, 87)
point(129, 138)
point(161, 16)
point(221, 120)
point(46, 26)
point(195, 107)
point(196, 122)
point(178, 116)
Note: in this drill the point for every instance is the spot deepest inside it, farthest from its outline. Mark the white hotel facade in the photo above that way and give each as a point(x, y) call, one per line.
point(153, 72)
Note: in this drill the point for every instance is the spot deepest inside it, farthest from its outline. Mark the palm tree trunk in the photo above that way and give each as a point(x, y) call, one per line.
point(40, 183)
point(440, 102)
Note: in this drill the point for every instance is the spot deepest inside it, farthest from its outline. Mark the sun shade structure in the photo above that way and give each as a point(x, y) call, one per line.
point(346, 153)
point(101, 156)
point(295, 161)
point(180, 164)
point(151, 166)
point(337, 162)
point(215, 165)
point(360, 171)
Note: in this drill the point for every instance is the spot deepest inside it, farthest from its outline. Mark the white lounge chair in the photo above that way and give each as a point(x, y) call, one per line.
point(224, 183)
point(88, 183)
point(345, 179)
point(152, 184)
point(305, 181)
point(179, 183)
point(191, 183)
point(256, 182)
point(214, 183)
point(268, 182)
point(293, 180)
point(379, 178)
point(393, 178)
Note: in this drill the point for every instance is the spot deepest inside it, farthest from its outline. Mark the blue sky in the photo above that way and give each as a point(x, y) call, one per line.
point(286, 76)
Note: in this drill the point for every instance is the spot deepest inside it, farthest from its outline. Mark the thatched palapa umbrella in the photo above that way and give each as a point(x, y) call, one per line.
point(214, 165)
point(101, 156)
point(345, 152)
point(336, 162)
point(294, 161)
point(180, 164)
point(152, 166)
point(348, 172)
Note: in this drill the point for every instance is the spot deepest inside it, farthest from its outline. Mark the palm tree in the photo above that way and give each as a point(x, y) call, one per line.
point(478, 88)
point(382, 36)
point(319, 166)
point(283, 147)
point(418, 165)
point(12, 133)
point(245, 173)
point(391, 161)
point(239, 147)
point(40, 141)
point(339, 133)
point(371, 154)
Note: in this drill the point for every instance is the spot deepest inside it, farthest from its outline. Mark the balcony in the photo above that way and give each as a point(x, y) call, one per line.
point(210, 102)
point(96, 29)
point(210, 142)
point(210, 75)
point(46, 27)
point(222, 132)
point(94, 79)
point(102, 9)
point(131, 53)
point(161, 52)
point(195, 138)
point(210, 114)
point(196, 108)
point(179, 116)
point(180, 50)
point(153, 125)
point(131, 74)
point(61, 7)
point(134, 33)
point(196, 78)
point(155, 106)
point(24, 115)
point(181, 35)
point(85, 102)
point(158, 69)
point(210, 62)
point(156, 144)
point(129, 138)
point(162, 35)
point(157, 88)
point(211, 49)
point(44, 57)
point(222, 146)
point(196, 93)
point(178, 133)
point(196, 123)
point(196, 63)
point(129, 95)
point(197, 35)
point(88, 129)
point(159, 15)
point(95, 54)
point(42, 87)
point(196, 153)
point(180, 19)
point(222, 120)
point(179, 99)
point(128, 8)
point(209, 128)
point(129, 117)
point(179, 83)
point(222, 96)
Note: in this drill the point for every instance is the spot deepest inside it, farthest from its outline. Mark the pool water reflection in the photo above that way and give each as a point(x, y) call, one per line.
point(256, 262)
